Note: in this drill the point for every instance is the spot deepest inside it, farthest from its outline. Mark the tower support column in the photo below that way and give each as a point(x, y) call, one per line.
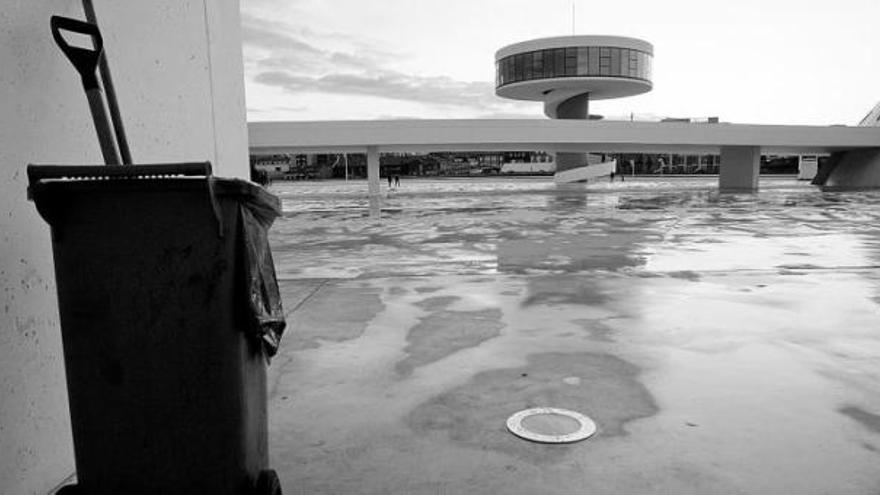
point(373, 170)
point(576, 107)
point(568, 161)
point(740, 166)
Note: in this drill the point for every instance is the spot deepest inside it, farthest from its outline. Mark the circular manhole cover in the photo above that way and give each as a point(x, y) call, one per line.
point(551, 425)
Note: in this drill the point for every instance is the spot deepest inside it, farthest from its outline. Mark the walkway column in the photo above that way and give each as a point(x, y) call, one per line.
point(740, 166)
point(373, 170)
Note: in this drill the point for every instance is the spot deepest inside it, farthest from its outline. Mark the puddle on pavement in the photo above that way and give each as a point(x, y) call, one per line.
point(651, 224)
point(867, 419)
point(565, 289)
point(607, 389)
point(436, 303)
point(443, 333)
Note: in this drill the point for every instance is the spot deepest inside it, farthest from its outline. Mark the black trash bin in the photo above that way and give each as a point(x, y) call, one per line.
point(169, 312)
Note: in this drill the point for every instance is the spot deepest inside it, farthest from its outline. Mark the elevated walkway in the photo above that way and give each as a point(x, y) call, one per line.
point(555, 135)
point(740, 145)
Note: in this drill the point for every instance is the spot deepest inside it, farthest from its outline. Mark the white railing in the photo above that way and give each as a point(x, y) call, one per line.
point(584, 174)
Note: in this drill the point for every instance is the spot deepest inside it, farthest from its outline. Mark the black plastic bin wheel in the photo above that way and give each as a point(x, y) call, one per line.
point(268, 483)
point(69, 490)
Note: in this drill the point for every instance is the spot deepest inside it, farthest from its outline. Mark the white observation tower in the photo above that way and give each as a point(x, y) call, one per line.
point(566, 72)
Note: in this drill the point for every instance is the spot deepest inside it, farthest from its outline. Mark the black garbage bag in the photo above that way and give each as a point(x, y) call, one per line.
point(265, 313)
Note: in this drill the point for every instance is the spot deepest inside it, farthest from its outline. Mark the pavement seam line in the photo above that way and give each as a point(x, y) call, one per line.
point(306, 299)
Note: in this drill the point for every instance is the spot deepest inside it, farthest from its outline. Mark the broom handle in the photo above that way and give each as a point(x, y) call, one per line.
point(110, 91)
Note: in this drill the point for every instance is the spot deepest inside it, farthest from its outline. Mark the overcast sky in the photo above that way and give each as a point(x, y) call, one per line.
point(745, 61)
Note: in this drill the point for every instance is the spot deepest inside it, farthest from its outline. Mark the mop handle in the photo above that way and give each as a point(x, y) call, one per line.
point(85, 61)
point(110, 91)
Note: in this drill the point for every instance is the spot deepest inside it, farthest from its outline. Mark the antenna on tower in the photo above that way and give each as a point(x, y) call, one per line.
point(572, 18)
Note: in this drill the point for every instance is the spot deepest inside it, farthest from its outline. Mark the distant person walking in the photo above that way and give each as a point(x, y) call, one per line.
point(263, 178)
point(612, 176)
point(396, 181)
point(389, 181)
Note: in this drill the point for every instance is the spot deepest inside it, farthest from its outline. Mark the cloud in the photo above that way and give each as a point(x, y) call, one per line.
point(272, 35)
point(428, 90)
point(387, 84)
point(284, 56)
point(284, 80)
point(273, 45)
point(274, 108)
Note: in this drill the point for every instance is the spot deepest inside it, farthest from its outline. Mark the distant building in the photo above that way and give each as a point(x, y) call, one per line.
point(275, 166)
point(529, 168)
point(335, 165)
point(808, 166)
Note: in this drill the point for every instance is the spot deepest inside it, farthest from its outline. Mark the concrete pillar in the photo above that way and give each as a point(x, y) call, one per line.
point(375, 203)
point(373, 170)
point(856, 168)
point(177, 70)
point(739, 169)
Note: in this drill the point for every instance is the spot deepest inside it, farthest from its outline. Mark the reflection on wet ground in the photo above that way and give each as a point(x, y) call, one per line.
point(724, 343)
point(423, 228)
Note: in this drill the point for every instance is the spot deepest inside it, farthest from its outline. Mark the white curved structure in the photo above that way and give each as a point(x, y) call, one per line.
point(566, 72)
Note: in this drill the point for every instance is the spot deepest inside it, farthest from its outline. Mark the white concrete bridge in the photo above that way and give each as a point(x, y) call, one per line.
point(739, 145)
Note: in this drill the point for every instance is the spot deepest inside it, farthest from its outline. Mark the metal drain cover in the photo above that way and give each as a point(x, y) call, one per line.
point(551, 425)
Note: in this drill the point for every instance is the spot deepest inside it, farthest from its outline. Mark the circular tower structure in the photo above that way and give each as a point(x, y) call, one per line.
point(566, 72)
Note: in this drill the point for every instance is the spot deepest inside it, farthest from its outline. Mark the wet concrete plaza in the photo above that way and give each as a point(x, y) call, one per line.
point(722, 343)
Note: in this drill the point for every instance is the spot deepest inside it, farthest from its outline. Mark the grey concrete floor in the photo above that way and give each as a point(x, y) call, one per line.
point(722, 343)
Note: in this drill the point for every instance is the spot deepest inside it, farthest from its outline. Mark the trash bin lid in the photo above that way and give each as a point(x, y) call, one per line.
point(51, 181)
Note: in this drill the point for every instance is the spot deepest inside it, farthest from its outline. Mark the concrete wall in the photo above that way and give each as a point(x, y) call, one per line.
point(178, 73)
point(858, 168)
